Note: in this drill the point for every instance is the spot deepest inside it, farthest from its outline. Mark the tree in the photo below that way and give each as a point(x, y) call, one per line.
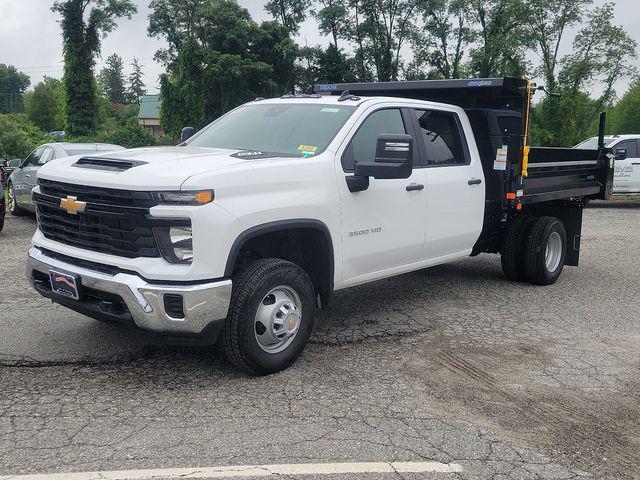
point(135, 88)
point(217, 58)
point(601, 55)
point(18, 136)
point(290, 13)
point(443, 39)
point(625, 116)
point(380, 30)
point(547, 22)
point(12, 86)
point(83, 23)
point(332, 19)
point(501, 38)
point(45, 105)
point(111, 79)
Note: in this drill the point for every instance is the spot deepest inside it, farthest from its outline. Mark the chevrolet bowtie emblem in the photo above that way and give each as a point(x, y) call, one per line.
point(72, 205)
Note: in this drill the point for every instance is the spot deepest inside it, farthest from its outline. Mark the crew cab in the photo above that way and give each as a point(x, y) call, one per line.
point(236, 236)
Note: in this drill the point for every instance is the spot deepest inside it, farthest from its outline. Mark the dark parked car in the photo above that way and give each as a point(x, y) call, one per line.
point(7, 167)
point(2, 202)
point(24, 178)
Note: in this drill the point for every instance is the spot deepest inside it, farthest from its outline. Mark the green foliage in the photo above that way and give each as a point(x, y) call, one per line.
point(290, 13)
point(441, 43)
point(332, 18)
point(81, 40)
point(111, 79)
point(501, 39)
point(12, 85)
point(217, 58)
point(18, 136)
point(135, 88)
point(625, 116)
point(45, 105)
point(120, 127)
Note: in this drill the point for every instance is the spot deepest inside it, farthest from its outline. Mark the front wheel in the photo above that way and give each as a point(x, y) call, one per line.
point(270, 317)
point(12, 203)
point(545, 251)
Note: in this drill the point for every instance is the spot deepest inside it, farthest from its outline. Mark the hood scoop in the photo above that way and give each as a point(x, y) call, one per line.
point(109, 164)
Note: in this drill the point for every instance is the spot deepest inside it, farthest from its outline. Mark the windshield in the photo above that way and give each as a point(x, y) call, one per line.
point(592, 143)
point(279, 129)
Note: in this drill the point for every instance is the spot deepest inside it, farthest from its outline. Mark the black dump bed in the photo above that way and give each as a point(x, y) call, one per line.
point(498, 109)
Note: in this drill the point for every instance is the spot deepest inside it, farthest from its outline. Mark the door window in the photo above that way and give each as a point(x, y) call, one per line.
point(442, 138)
point(33, 157)
point(363, 145)
point(630, 146)
point(47, 155)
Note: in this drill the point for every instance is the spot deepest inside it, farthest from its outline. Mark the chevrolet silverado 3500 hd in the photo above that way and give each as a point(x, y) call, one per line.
point(238, 234)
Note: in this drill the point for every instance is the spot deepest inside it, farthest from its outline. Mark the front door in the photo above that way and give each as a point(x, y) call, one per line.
point(25, 176)
point(626, 177)
point(454, 185)
point(382, 226)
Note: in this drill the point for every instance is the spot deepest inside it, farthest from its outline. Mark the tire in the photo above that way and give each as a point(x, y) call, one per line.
point(545, 251)
point(513, 247)
point(251, 322)
point(12, 204)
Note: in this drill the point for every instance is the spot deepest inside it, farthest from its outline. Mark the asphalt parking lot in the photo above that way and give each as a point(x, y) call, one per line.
point(453, 365)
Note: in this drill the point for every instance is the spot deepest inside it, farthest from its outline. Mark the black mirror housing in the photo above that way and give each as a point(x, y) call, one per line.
point(621, 153)
point(187, 133)
point(394, 158)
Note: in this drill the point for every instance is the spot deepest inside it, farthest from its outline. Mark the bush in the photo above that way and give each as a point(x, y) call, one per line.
point(18, 136)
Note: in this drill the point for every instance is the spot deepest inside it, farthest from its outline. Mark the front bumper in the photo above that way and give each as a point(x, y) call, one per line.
point(127, 297)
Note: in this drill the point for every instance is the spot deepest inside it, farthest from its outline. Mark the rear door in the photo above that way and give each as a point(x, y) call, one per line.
point(382, 226)
point(454, 184)
point(626, 177)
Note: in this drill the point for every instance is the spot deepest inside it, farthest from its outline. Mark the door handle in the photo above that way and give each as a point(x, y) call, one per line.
point(636, 163)
point(414, 187)
point(474, 181)
point(26, 175)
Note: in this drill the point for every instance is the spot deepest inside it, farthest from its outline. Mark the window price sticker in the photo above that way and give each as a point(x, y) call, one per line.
point(500, 162)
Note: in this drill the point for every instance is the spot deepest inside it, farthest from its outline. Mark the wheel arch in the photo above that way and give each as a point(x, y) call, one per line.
point(320, 271)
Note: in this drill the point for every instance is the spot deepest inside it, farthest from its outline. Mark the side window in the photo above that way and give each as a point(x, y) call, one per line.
point(33, 158)
point(442, 137)
point(363, 143)
point(46, 156)
point(630, 146)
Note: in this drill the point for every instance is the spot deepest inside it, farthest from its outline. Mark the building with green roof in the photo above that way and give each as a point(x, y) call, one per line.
point(149, 114)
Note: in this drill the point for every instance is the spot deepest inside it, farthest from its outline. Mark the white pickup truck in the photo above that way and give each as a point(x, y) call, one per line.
point(238, 234)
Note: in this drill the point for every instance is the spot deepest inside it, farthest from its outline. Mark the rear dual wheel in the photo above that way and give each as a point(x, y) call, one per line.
point(534, 250)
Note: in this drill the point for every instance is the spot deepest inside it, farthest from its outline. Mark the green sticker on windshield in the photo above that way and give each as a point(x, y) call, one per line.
point(330, 110)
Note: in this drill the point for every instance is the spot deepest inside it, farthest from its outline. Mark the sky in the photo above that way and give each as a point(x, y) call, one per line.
point(30, 37)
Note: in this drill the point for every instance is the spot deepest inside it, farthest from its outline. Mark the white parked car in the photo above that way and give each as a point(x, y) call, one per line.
point(626, 148)
point(238, 234)
point(24, 177)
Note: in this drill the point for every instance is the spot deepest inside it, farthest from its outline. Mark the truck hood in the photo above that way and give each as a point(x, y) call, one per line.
point(155, 168)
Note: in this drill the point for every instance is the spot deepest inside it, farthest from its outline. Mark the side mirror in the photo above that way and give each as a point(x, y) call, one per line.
point(621, 153)
point(394, 155)
point(187, 133)
point(15, 163)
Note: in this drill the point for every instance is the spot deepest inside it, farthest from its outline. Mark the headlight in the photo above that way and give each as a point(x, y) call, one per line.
point(201, 197)
point(175, 243)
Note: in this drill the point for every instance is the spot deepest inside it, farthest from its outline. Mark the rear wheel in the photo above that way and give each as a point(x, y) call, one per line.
point(545, 251)
point(12, 203)
point(513, 247)
point(270, 318)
